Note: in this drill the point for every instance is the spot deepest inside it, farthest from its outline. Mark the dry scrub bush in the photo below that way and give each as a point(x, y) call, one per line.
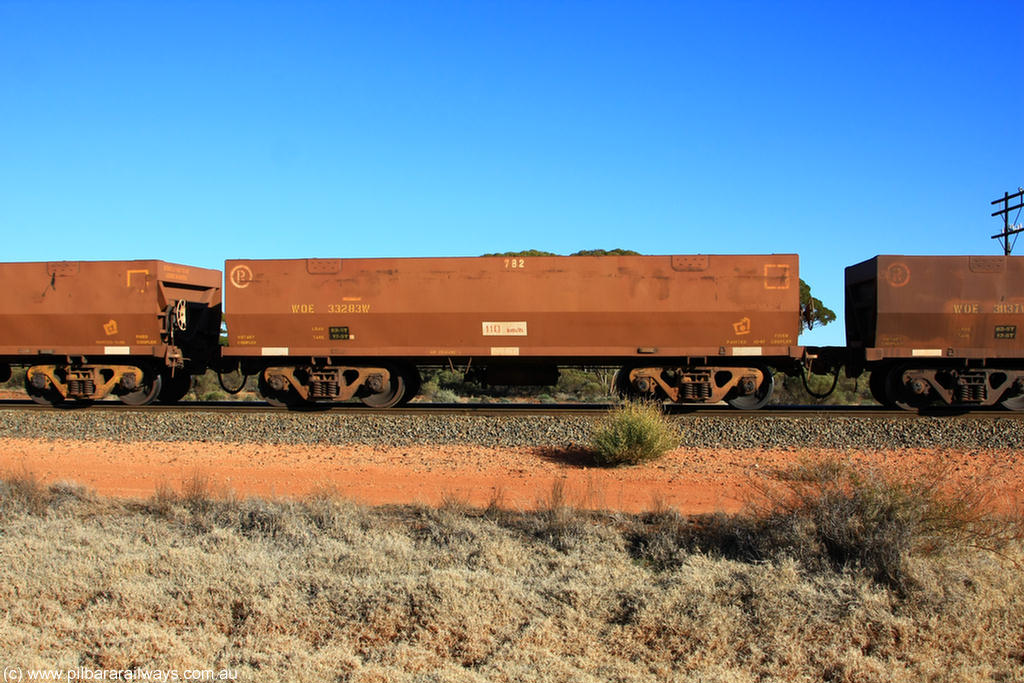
point(21, 490)
point(560, 524)
point(196, 491)
point(631, 434)
point(831, 516)
point(867, 519)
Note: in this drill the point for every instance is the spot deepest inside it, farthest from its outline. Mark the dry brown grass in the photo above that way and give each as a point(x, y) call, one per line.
point(323, 589)
point(24, 491)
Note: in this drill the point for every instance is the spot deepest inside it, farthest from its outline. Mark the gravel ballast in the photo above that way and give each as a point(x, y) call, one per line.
point(699, 431)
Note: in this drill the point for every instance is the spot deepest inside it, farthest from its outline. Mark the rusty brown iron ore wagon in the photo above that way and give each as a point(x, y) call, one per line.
point(936, 329)
point(687, 328)
point(88, 329)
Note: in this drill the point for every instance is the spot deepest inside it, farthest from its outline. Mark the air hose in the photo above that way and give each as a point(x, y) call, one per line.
point(220, 380)
point(835, 381)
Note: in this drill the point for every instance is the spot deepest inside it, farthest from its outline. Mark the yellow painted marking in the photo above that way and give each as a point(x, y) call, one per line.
point(776, 276)
point(128, 278)
point(348, 308)
point(898, 274)
point(241, 276)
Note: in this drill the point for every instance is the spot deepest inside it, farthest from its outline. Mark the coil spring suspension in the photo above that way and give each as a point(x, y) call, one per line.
point(971, 389)
point(81, 387)
point(695, 388)
point(324, 389)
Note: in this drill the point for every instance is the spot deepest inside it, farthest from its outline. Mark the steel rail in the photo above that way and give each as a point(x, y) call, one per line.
point(509, 409)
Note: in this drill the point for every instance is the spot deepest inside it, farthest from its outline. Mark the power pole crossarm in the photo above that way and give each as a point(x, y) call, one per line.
point(1009, 229)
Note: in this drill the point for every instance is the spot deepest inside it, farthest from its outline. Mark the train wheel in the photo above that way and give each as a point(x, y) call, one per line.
point(175, 387)
point(412, 384)
point(759, 398)
point(48, 396)
point(622, 387)
point(877, 385)
point(1015, 403)
point(389, 395)
point(279, 399)
point(145, 394)
point(900, 394)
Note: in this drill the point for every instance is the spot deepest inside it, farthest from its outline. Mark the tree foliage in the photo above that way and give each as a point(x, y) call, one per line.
point(525, 252)
point(607, 252)
point(584, 252)
point(813, 313)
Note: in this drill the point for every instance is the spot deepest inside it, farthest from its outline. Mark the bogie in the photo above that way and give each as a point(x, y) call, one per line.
point(374, 386)
point(913, 387)
point(744, 388)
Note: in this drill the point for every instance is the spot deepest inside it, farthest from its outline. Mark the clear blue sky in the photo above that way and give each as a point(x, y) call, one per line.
point(199, 131)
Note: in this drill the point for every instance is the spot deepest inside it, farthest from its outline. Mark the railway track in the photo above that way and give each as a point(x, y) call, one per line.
point(508, 425)
point(513, 409)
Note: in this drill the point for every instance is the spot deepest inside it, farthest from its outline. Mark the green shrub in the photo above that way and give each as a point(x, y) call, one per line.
point(428, 390)
point(206, 387)
point(446, 396)
point(631, 434)
point(790, 390)
point(17, 380)
point(584, 384)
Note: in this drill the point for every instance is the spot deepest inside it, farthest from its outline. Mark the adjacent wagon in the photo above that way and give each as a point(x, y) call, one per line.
point(88, 329)
point(942, 329)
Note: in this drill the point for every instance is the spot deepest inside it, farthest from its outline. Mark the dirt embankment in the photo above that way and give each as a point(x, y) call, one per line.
point(688, 480)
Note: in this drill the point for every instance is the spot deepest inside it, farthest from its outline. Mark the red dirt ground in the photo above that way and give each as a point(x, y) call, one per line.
point(688, 480)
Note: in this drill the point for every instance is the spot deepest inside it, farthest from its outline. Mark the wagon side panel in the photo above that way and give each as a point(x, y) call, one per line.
point(596, 307)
